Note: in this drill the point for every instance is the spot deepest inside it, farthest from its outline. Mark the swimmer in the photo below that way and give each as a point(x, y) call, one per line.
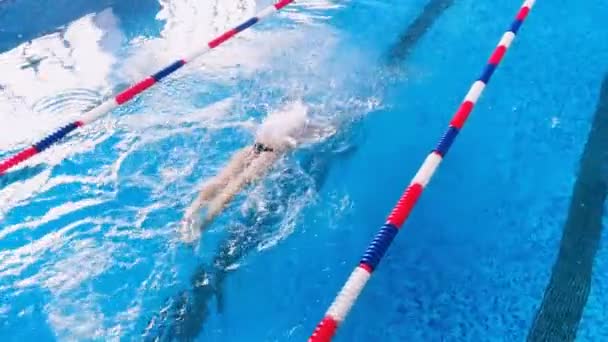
point(279, 133)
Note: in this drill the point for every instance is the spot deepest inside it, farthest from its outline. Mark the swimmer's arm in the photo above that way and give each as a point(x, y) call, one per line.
point(254, 171)
point(191, 221)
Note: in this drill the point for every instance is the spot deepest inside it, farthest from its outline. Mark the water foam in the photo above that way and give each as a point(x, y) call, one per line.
point(87, 67)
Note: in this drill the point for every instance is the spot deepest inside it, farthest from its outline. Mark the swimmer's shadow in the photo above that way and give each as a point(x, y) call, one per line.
point(184, 314)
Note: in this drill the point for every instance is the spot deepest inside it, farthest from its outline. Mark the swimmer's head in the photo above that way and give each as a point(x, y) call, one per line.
point(280, 128)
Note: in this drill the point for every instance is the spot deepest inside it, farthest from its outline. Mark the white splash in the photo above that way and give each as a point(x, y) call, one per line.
point(209, 115)
point(312, 11)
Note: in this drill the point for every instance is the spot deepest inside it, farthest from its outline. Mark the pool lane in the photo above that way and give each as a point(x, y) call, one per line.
point(560, 312)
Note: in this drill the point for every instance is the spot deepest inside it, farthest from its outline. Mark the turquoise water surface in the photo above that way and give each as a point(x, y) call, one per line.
point(88, 241)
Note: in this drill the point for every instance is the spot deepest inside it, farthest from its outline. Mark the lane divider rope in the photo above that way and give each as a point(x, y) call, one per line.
point(134, 90)
point(351, 290)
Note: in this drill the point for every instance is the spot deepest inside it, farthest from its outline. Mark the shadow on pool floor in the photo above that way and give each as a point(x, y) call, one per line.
point(560, 312)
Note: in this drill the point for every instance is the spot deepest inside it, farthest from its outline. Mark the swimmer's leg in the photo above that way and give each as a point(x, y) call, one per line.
point(256, 169)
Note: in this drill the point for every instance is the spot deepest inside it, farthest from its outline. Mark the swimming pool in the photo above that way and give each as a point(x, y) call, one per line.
point(88, 243)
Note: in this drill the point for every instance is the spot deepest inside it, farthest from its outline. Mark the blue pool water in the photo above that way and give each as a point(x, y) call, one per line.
point(88, 242)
